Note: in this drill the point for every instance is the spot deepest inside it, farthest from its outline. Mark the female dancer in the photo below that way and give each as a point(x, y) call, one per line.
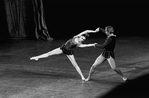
point(67, 49)
point(107, 54)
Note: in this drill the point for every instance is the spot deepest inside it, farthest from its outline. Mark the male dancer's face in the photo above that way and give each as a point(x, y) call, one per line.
point(108, 31)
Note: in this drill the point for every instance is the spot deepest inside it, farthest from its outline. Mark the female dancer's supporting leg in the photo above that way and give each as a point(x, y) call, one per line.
point(74, 63)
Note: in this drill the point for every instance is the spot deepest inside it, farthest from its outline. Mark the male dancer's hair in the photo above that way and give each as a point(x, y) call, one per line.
point(109, 29)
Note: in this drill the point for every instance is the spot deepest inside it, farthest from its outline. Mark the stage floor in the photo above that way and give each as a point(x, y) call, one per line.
point(55, 77)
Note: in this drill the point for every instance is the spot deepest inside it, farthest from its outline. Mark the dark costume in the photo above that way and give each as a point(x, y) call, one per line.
point(68, 46)
point(108, 47)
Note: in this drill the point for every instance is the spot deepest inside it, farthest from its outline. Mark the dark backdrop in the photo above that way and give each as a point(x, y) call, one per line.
point(67, 18)
point(3, 23)
point(129, 18)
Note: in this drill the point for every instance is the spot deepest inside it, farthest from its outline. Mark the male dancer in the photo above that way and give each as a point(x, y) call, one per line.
point(107, 54)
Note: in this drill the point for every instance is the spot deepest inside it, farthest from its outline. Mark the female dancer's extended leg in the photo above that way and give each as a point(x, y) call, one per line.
point(50, 53)
point(74, 63)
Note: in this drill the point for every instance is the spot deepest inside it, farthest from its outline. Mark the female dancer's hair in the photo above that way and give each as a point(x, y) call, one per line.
point(85, 35)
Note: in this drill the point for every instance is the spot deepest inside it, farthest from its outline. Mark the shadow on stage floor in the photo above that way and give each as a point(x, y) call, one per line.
point(136, 88)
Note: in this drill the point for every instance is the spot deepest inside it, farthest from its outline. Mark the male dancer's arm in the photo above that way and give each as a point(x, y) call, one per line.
point(104, 44)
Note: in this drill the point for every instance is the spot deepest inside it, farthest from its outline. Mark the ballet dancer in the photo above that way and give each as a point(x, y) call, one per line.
point(107, 54)
point(68, 47)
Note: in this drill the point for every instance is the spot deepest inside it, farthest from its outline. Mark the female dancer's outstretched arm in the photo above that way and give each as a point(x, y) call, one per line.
point(88, 31)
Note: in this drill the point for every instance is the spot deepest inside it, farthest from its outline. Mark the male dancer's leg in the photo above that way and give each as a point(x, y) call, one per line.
point(113, 66)
point(98, 61)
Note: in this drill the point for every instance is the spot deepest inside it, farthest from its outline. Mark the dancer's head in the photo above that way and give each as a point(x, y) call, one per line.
point(85, 35)
point(109, 30)
point(80, 39)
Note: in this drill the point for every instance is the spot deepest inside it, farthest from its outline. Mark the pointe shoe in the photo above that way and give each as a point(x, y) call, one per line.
point(83, 79)
point(87, 79)
point(33, 58)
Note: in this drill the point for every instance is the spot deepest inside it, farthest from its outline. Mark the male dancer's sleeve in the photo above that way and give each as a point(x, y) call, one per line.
point(104, 44)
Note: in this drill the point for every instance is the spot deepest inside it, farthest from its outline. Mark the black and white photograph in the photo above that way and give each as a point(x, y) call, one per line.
point(74, 48)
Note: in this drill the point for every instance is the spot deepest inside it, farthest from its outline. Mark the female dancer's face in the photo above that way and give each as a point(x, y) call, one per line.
point(81, 38)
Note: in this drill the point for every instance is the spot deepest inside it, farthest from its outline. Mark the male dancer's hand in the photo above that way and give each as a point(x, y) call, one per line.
point(95, 44)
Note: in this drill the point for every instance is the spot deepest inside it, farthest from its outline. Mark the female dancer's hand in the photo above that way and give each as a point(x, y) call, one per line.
point(97, 29)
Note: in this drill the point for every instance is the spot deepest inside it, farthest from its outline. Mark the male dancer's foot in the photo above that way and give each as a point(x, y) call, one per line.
point(124, 78)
